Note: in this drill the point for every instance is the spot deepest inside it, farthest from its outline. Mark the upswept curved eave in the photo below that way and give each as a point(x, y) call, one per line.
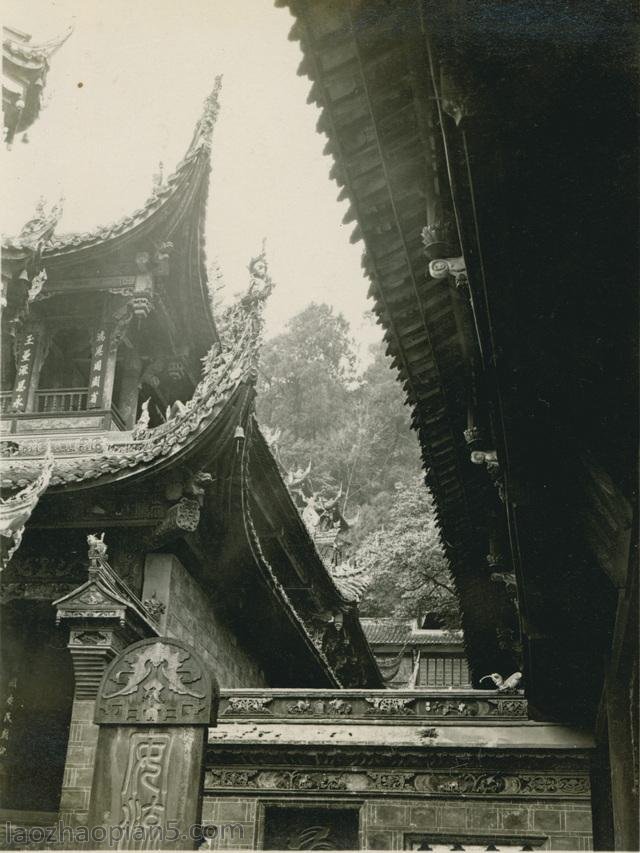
point(187, 184)
point(32, 55)
point(105, 457)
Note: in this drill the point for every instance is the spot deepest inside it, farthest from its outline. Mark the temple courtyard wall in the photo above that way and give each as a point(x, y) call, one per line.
point(394, 770)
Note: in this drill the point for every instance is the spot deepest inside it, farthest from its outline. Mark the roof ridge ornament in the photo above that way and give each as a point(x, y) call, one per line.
point(246, 314)
point(16, 510)
point(204, 128)
point(38, 230)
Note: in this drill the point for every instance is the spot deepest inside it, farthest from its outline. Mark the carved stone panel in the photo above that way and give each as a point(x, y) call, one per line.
point(157, 682)
point(147, 786)
point(154, 706)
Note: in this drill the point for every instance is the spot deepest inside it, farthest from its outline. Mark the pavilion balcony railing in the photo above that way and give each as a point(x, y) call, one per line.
point(5, 402)
point(61, 400)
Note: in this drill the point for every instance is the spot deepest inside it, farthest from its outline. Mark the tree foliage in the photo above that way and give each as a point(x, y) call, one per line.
point(405, 560)
point(354, 429)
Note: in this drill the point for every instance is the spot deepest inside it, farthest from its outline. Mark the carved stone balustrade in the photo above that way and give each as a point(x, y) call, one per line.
point(417, 745)
point(369, 706)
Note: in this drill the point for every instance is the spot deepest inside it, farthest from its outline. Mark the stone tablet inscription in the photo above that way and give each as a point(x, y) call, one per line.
point(156, 682)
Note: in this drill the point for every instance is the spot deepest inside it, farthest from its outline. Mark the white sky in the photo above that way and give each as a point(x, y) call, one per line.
point(146, 66)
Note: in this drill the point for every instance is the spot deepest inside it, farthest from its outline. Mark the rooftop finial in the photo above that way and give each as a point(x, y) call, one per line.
point(204, 128)
point(158, 178)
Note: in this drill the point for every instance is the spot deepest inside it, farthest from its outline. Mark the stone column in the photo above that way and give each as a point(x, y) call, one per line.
point(91, 650)
point(104, 617)
point(154, 707)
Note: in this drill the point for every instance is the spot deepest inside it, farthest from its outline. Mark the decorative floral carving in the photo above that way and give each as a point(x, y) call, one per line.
point(229, 778)
point(248, 705)
point(300, 781)
point(389, 705)
point(508, 707)
point(567, 785)
point(154, 607)
point(389, 781)
point(468, 783)
point(340, 707)
point(445, 708)
point(438, 237)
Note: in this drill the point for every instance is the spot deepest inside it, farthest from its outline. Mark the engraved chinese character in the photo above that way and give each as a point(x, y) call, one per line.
point(99, 349)
point(100, 336)
point(98, 365)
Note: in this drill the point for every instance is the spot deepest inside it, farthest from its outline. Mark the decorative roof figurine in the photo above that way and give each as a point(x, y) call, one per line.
point(16, 510)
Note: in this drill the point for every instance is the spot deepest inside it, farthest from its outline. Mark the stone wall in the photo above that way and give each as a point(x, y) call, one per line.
point(78, 771)
point(190, 616)
point(395, 825)
point(566, 826)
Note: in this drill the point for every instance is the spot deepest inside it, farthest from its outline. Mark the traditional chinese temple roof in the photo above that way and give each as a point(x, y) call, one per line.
point(455, 134)
point(373, 111)
point(402, 632)
point(174, 213)
point(24, 74)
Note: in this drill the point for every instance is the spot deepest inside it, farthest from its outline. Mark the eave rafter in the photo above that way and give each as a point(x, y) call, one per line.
point(373, 90)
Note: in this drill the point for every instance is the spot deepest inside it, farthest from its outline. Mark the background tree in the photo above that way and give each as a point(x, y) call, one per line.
point(354, 428)
point(408, 572)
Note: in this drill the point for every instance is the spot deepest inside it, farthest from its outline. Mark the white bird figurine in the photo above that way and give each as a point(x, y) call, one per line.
point(510, 683)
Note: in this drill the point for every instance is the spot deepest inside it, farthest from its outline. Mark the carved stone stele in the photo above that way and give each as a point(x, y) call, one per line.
point(155, 704)
point(159, 682)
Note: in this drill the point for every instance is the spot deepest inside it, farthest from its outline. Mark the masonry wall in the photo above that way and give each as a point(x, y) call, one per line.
point(78, 770)
point(191, 616)
point(388, 825)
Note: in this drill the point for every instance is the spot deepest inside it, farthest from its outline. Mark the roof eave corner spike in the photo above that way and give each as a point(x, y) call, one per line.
point(204, 128)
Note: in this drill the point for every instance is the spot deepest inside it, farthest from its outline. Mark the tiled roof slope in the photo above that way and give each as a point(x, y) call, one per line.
point(401, 632)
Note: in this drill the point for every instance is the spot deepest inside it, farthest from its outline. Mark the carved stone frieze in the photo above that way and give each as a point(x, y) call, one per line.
point(247, 705)
point(392, 706)
point(446, 708)
point(294, 780)
point(447, 782)
point(389, 781)
point(429, 707)
point(229, 778)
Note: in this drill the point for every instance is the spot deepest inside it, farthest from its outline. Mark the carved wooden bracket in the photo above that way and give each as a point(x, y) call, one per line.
point(454, 268)
point(183, 517)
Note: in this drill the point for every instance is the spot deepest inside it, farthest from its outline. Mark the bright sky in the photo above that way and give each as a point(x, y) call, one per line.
point(145, 68)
